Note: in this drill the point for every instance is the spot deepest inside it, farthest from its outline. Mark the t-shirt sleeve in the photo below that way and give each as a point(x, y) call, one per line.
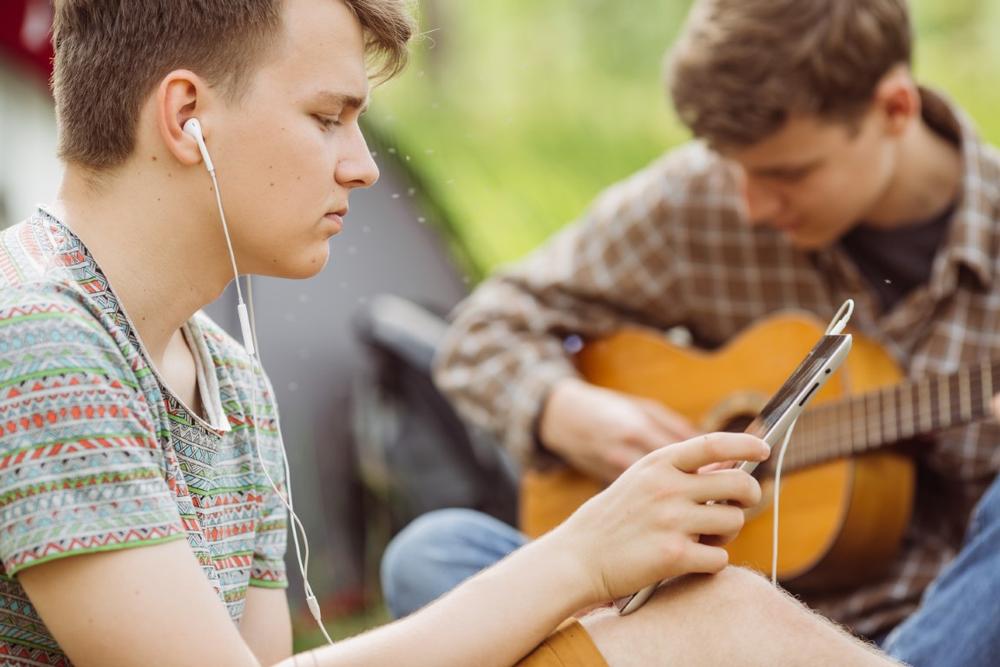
point(268, 569)
point(81, 468)
point(271, 539)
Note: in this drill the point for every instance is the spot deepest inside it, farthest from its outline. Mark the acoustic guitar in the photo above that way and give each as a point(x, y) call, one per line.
point(846, 498)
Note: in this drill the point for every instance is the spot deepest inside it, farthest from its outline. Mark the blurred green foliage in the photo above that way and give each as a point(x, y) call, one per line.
point(339, 626)
point(516, 113)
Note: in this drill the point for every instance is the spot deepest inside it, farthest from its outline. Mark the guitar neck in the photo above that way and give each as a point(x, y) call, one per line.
point(893, 414)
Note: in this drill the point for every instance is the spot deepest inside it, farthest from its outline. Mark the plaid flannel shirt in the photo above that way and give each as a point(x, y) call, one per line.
point(668, 247)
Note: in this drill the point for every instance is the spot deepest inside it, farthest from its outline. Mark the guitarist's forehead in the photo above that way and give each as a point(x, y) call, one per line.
point(802, 146)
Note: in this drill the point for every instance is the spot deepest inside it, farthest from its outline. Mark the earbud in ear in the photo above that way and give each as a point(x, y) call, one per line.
point(192, 127)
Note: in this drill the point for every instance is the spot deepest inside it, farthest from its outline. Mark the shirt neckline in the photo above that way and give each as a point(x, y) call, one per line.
point(208, 384)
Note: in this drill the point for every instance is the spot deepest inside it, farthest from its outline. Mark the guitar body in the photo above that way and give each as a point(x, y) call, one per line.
point(841, 522)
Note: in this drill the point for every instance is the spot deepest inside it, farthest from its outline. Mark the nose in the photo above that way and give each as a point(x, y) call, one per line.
point(356, 167)
point(763, 203)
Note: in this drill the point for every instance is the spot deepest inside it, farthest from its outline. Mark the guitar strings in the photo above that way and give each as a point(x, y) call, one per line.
point(824, 436)
point(813, 445)
point(924, 409)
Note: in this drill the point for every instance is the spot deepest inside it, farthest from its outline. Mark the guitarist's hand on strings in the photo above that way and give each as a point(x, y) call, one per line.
point(602, 432)
point(653, 522)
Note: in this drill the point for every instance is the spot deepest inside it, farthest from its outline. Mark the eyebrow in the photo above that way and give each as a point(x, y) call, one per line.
point(343, 100)
point(784, 172)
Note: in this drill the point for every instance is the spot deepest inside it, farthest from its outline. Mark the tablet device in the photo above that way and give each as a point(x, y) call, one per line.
point(776, 416)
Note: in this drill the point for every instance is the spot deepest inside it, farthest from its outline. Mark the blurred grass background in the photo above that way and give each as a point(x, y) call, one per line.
point(515, 113)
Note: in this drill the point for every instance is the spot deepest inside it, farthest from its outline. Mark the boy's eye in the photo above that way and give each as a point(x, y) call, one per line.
point(326, 121)
point(795, 176)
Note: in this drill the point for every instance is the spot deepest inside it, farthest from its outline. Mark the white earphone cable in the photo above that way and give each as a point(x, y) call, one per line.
point(777, 501)
point(836, 327)
point(249, 330)
point(225, 231)
point(301, 552)
point(840, 319)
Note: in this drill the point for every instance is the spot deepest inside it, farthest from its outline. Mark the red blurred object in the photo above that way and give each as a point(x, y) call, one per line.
point(25, 34)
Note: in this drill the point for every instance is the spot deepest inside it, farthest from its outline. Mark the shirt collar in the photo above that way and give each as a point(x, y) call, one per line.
point(970, 238)
point(72, 257)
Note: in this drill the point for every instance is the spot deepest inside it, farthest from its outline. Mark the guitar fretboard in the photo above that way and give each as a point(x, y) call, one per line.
point(900, 412)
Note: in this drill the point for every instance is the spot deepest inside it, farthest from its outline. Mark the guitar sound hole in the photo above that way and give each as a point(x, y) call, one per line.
point(737, 423)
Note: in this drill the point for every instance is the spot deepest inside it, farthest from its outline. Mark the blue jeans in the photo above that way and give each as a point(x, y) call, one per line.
point(957, 623)
point(437, 552)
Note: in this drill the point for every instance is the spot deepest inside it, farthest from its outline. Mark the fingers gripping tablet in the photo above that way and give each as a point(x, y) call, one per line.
point(773, 422)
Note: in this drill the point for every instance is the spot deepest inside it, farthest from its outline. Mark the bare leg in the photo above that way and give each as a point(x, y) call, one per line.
point(733, 618)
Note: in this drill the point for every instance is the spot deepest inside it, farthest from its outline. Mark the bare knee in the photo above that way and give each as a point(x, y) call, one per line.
point(722, 619)
point(742, 597)
point(680, 616)
point(732, 582)
point(734, 590)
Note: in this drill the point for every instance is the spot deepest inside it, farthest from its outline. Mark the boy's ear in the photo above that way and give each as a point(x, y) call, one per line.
point(181, 95)
point(898, 100)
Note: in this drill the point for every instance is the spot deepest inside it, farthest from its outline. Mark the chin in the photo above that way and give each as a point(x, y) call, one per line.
point(812, 241)
point(806, 244)
point(300, 267)
point(308, 269)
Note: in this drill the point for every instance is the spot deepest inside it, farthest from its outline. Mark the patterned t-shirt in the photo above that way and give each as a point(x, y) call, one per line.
point(95, 452)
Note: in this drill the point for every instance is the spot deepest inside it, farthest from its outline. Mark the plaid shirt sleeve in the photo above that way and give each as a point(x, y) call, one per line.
point(505, 349)
point(670, 247)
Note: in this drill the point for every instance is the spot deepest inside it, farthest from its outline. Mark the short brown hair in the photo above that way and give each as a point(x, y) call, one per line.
point(109, 54)
point(741, 67)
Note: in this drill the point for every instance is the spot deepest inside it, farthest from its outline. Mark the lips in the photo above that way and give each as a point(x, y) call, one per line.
point(787, 225)
point(336, 217)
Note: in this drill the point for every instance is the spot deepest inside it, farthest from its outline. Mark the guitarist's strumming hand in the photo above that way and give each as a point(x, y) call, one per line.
point(653, 522)
point(602, 432)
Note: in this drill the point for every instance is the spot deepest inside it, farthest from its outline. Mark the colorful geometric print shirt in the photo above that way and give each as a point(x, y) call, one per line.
point(96, 454)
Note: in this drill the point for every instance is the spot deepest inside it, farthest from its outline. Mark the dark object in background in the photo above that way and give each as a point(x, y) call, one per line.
point(414, 453)
point(25, 34)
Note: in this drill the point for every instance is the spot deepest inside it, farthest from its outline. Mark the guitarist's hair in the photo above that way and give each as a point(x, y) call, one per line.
point(742, 67)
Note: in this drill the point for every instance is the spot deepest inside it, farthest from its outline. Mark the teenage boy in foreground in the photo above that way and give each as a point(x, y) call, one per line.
point(137, 525)
point(821, 172)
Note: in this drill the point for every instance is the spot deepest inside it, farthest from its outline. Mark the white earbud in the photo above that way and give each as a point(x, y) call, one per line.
point(193, 128)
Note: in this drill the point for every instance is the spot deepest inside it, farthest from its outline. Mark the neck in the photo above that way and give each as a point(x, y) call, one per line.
point(164, 257)
point(926, 180)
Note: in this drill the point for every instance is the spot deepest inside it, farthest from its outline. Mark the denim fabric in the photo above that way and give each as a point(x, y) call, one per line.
point(439, 551)
point(958, 621)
